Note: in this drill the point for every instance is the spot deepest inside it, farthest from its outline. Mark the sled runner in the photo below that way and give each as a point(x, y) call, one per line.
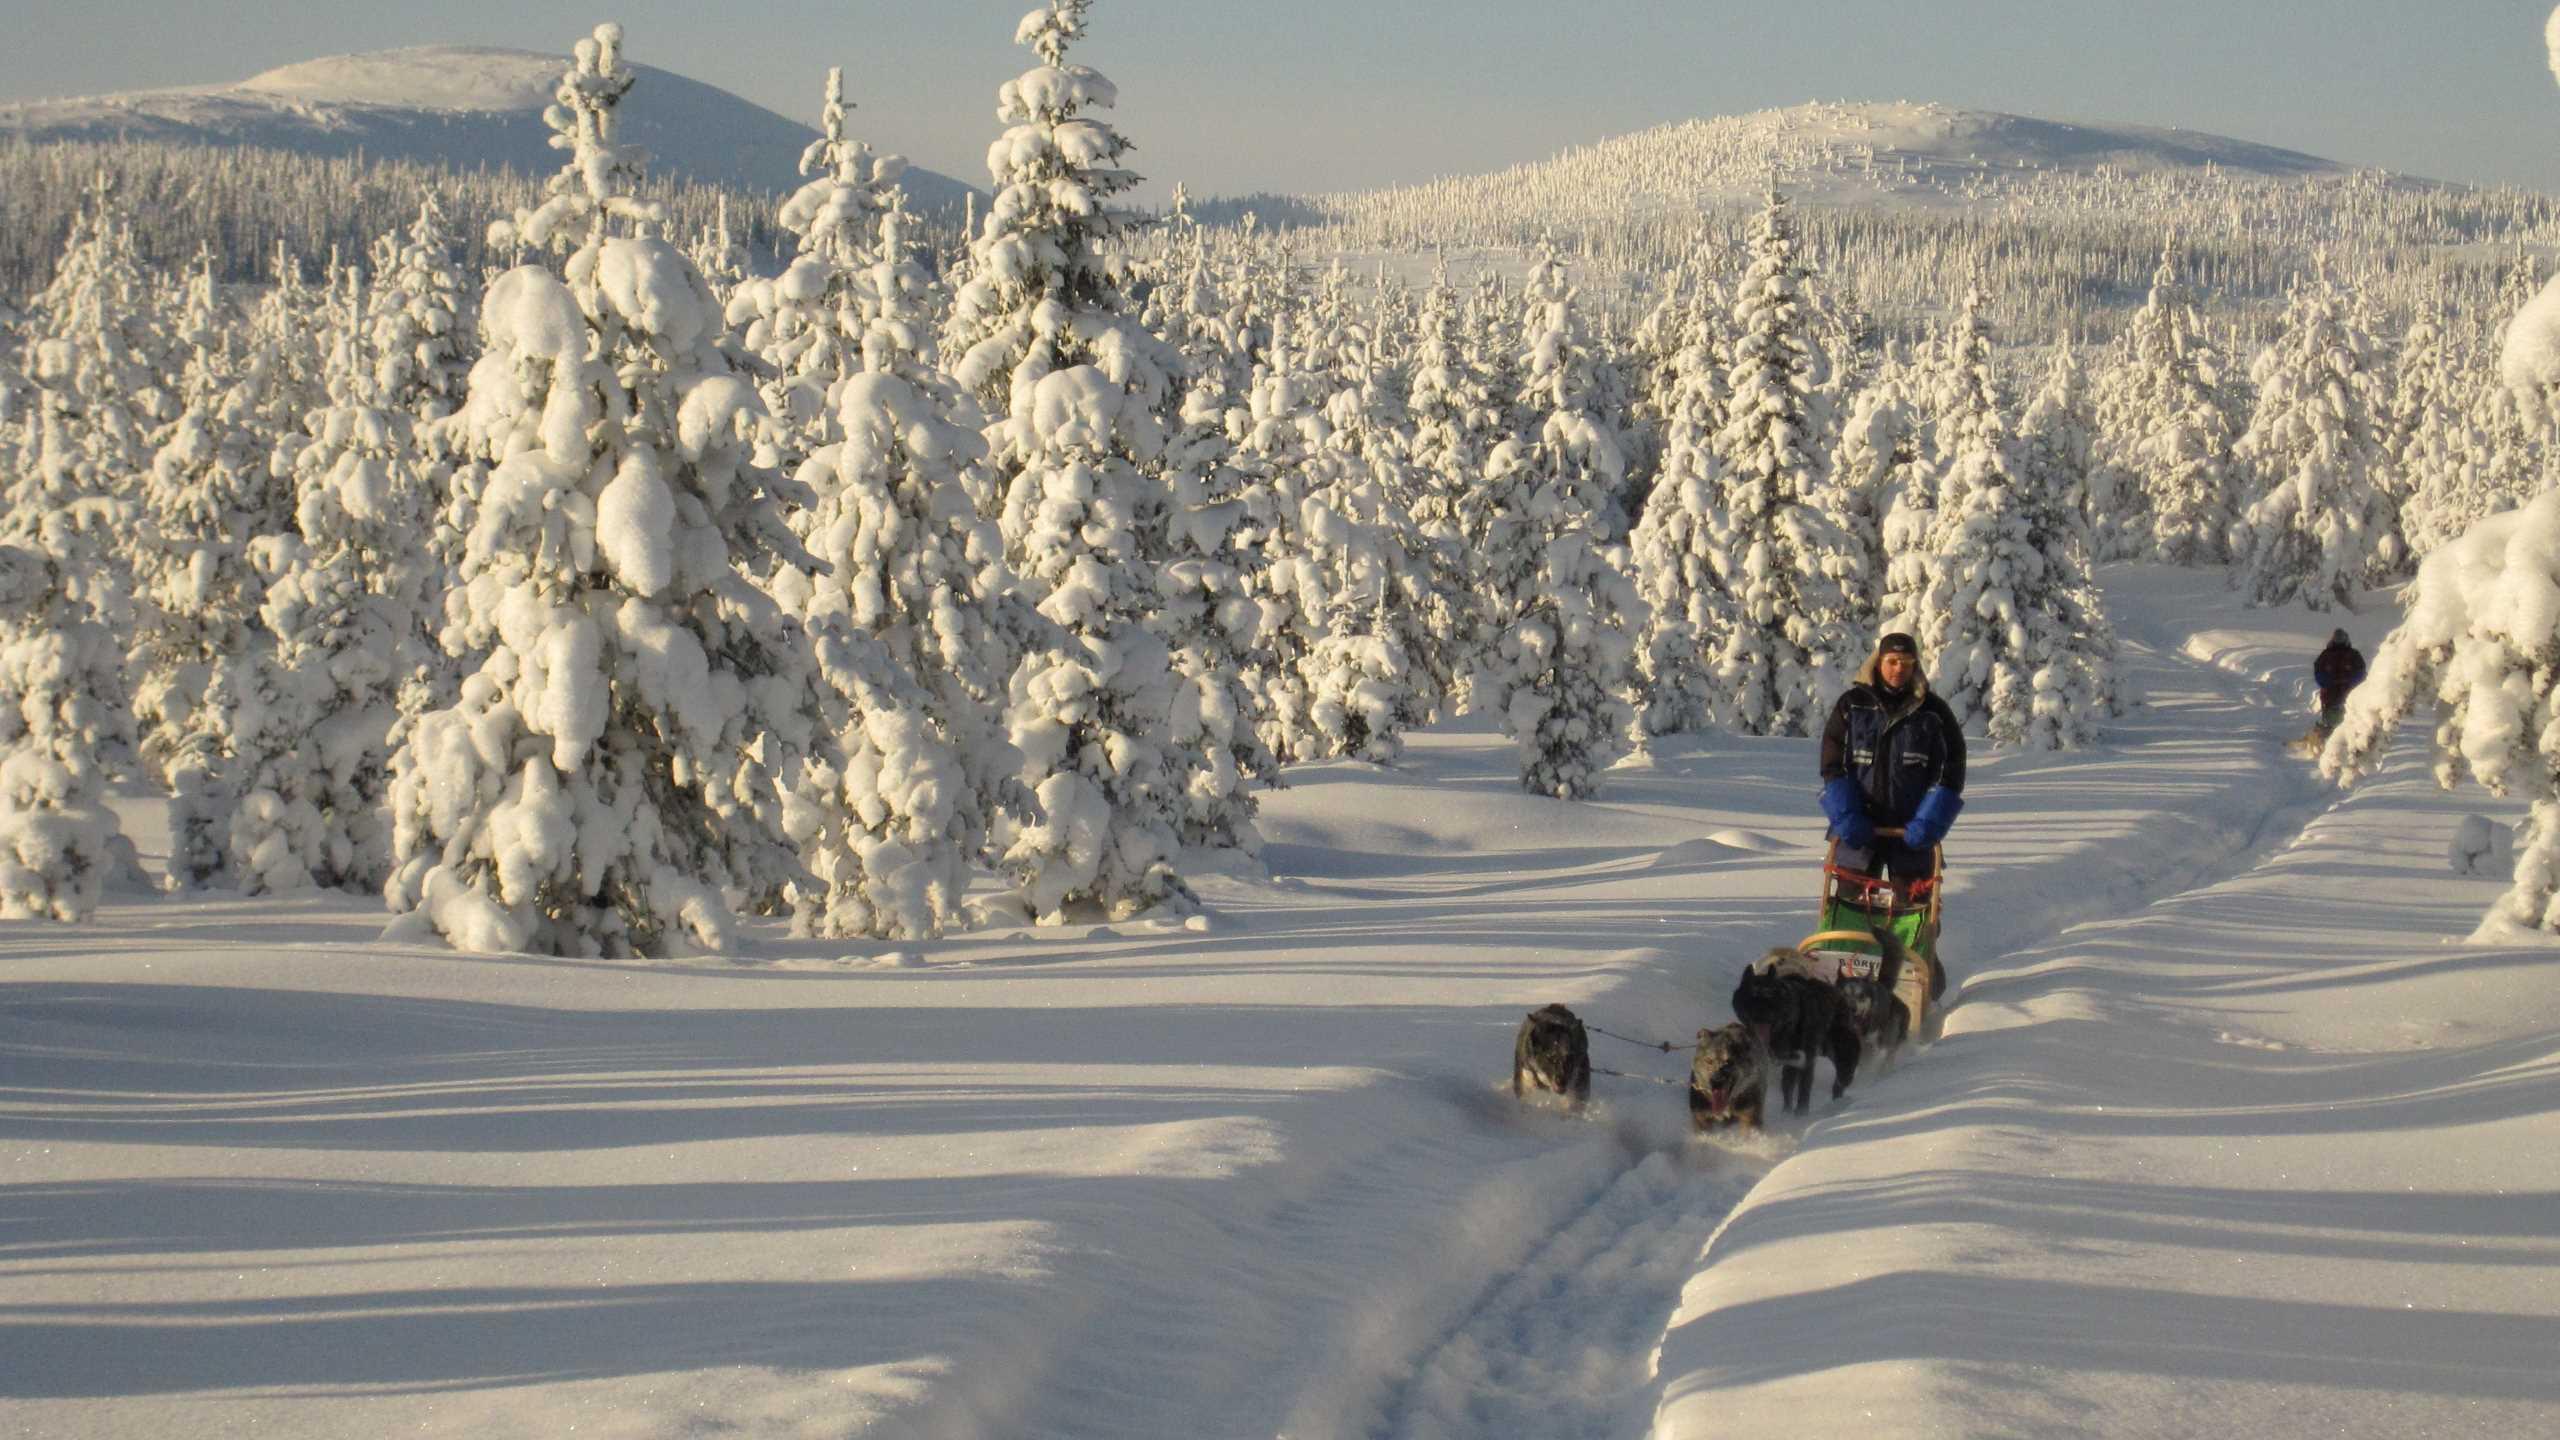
point(1856, 907)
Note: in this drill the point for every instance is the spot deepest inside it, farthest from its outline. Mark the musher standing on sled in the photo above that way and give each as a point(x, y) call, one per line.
point(1892, 755)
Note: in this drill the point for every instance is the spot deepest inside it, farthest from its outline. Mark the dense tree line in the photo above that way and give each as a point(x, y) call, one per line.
point(583, 582)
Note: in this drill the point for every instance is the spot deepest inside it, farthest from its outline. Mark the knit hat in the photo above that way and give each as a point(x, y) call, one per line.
point(2339, 637)
point(1898, 643)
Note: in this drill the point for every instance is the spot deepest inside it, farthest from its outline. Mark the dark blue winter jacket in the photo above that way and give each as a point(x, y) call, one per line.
point(2339, 669)
point(1896, 748)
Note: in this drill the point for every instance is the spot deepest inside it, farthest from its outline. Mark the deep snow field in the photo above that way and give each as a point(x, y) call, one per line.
point(2233, 1132)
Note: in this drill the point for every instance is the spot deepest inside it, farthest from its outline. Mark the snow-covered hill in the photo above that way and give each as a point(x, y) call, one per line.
point(1826, 153)
point(464, 106)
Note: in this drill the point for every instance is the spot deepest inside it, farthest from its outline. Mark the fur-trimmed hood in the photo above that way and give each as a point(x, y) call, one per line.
point(1919, 678)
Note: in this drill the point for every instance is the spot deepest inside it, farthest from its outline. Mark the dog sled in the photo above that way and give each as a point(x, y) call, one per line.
point(1877, 946)
point(1883, 930)
point(2309, 744)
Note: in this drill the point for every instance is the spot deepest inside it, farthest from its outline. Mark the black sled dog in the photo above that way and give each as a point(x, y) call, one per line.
point(1797, 1017)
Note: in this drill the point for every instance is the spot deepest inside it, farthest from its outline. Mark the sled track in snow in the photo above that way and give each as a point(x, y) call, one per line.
point(1564, 1344)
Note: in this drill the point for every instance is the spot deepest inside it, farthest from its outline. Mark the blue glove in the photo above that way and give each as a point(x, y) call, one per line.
point(1929, 824)
point(1846, 807)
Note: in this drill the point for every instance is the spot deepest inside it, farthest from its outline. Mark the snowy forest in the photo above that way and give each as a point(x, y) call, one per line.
point(591, 568)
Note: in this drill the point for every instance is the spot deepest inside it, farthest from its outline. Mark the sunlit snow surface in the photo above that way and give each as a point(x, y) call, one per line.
point(2226, 1136)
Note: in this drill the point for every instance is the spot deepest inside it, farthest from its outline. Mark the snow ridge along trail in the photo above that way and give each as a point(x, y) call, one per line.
point(2265, 1157)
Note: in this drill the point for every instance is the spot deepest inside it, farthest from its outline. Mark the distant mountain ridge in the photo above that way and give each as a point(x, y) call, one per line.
point(1931, 137)
point(463, 106)
point(1895, 153)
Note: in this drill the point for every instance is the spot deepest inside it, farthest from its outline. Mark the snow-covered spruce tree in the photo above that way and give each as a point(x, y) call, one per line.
point(92, 393)
point(1879, 451)
point(2118, 507)
point(806, 325)
point(217, 486)
point(1963, 389)
point(1328, 336)
point(1043, 334)
point(350, 602)
point(1394, 322)
point(418, 336)
point(1367, 679)
point(416, 318)
point(1210, 306)
point(1773, 540)
point(718, 256)
point(1279, 462)
point(608, 775)
point(2428, 439)
point(2479, 636)
point(2057, 438)
point(2011, 623)
point(886, 814)
point(911, 566)
point(1364, 688)
point(1939, 389)
point(2505, 439)
point(1652, 366)
point(1564, 662)
point(2478, 640)
point(1563, 391)
point(1689, 613)
point(1091, 710)
point(1491, 319)
point(1609, 399)
point(2319, 529)
point(1450, 413)
point(1383, 638)
point(2185, 449)
point(2164, 483)
point(1044, 293)
point(64, 718)
point(285, 349)
point(1211, 622)
point(102, 356)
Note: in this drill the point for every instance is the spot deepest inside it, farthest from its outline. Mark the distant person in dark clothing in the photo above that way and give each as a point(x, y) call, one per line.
point(2339, 669)
point(1892, 755)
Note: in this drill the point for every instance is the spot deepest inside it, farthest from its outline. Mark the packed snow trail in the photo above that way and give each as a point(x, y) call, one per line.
point(1562, 1346)
point(2268, 1157)
point(2016, 876)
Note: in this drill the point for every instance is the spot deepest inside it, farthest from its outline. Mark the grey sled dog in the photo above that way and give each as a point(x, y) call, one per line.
point(1728, 1078)
point(1553, 1054)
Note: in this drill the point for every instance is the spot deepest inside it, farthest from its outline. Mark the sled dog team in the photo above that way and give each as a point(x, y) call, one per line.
point(1787, 1014)
point(1892, 766)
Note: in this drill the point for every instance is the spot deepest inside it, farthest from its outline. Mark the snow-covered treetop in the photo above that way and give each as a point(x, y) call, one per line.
point(602, 173)
point(1043, 294)
point(833, 213)
point(1048, 29)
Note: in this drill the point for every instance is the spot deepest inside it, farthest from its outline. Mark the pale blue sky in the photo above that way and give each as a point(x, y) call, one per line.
point(1321, 94)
